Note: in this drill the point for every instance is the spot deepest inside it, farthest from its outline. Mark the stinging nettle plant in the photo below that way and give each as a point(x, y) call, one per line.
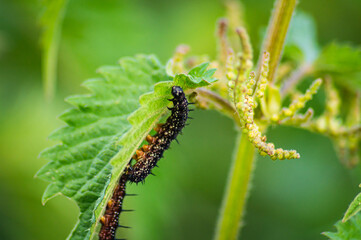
point(105, 127)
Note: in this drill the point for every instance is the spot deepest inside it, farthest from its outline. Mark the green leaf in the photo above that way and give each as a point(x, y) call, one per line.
point(198, 76)
point(51, 22)
point(350, 230)
point(339, 58)
point(79, 167)
point(103, 131)
point(301, 38)
point(343, 63)
point(353, 208)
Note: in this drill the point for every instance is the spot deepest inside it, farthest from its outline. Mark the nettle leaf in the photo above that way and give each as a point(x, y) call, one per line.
point(350, 230)
point(342, 63)
point(301, 39)
point(198, 76)
point(353, 208)
point(103, 131)
point(51, 23)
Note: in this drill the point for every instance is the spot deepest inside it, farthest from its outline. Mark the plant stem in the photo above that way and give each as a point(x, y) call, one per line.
point(229, 221)
point(219, 102)
point(276, 35)
point(234, 202)
point(50, 43)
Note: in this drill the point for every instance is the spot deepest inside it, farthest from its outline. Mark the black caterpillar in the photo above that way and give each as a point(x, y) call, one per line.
point(110, 218)
point(147, 158)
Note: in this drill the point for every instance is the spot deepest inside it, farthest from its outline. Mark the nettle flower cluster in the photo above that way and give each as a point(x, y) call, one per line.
point(249, 93)
point(257, 100)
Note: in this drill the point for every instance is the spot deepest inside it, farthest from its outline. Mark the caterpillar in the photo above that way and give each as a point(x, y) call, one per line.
point(149, 155)
point(110, 218)
point(146, 160)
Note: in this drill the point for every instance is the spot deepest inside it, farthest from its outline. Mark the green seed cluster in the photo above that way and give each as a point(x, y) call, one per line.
point(298, 103)
point(246, 109)
point(346, 134)
point(263, 82)
point(247, 90)
point(299, 119)
point(237, 65)
point(247, 51)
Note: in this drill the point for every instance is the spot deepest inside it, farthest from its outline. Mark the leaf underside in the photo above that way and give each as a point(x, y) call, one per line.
point(104, 128)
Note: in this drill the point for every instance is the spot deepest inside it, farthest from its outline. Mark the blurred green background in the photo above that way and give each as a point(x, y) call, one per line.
point(295, 199)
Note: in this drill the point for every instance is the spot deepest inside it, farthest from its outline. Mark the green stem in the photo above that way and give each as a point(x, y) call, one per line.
point(238, 185)
point(276, 35)
point(237, 191)
point(50, 40)
point(219, 102)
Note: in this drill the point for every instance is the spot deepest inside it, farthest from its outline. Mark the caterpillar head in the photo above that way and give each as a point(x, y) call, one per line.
point(177, 92)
